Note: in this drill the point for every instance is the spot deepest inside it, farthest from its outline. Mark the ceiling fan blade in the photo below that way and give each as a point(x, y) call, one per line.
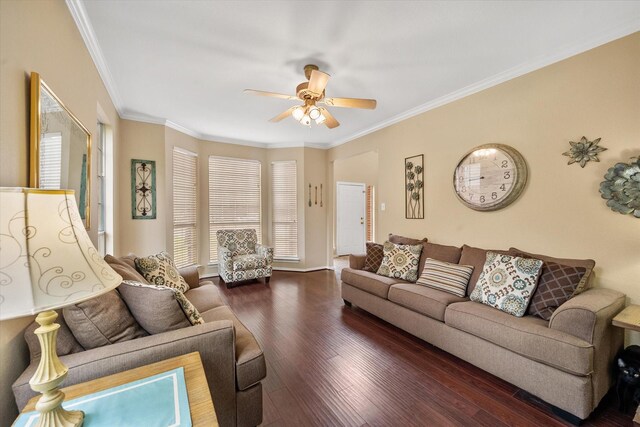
point(282, 115)
point(271, 94)
point(369, 104)
point(318, 81)
point(330, 121)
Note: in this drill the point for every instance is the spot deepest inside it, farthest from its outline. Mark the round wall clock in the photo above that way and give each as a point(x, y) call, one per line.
point(490, 177)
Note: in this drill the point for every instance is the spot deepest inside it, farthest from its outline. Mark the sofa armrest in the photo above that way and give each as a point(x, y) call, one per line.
point(214, 341)
point(588, 315)
point(265, 251)
point(191, 276)
point(356, 261)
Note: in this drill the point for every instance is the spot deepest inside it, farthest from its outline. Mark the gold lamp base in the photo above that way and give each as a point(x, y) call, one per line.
point(49, 375)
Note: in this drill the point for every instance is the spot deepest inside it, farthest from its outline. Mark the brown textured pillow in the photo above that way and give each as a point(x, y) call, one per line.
point(124, 268)
point(556, 286)
point(375, 253)
point(587, 264)
point(155, 308)
point(66, 343)
point(475, 257)
point(102, 321)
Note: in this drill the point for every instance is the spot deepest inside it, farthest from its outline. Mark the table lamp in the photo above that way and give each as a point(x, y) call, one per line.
point(47, 261)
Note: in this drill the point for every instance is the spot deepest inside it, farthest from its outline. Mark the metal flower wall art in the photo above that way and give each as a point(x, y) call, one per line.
point(621, 187)
point(584, 151)
point(414, 187)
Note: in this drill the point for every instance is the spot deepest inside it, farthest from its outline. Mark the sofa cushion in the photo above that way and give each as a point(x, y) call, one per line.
point(125, 267)
point(66, 343)
point(423, 300)
point(369, 282)
point(154, 307)
point(400, 261)
point(446, 277)
point(588, 264)
point(160, 270)
point(250, 363)
point(507, 283)
point(476, 258)
point(401, 240)
point(205, 297)
point(528, 336)
point(556, 285)
point(375, 253)
point(443, 253)
point(101, 321)
point(249, 262)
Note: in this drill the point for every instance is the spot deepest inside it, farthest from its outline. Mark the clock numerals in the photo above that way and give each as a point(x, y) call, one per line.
point(503, 187)
point(482, 199)
point(505, 164)
point(507, 175)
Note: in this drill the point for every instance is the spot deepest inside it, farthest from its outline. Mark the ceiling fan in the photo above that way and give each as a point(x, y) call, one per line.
point(311, 93)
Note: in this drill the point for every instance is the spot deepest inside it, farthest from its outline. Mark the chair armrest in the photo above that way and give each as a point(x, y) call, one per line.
point(215, 341)
point(265, 251)
point(356, 261)
point(191, 276)
point(588, 315)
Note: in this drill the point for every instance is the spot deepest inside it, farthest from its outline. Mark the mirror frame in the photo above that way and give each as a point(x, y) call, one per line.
point(35, 128)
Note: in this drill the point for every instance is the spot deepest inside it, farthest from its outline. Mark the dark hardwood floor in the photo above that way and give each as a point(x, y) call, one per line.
point(330, 365)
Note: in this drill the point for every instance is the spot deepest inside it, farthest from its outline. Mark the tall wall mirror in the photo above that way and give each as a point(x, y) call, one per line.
point(60, 155)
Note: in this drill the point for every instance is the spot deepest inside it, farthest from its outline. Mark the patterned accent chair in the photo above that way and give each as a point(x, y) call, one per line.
point(240, 257)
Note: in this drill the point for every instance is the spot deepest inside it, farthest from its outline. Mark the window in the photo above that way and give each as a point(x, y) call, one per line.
point(102, 190)
point(51, 161)
point(234, 198)
point(370, 213)
point(185, 177)
point(285, 210)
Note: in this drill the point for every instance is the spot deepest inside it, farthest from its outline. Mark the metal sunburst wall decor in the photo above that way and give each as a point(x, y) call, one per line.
point(584, 151)
point(621, 187)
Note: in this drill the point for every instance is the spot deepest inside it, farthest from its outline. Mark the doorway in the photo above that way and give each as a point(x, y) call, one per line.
point(350, 218)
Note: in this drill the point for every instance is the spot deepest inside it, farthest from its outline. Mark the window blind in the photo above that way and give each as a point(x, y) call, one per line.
point(102, 159)
point(285, 212)
point(185, 241)
point(50, 161)
point(370, 213)
point(234, 198)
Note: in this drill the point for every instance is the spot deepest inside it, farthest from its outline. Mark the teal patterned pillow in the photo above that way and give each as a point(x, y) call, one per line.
point(159, 270)
point(400, 261)
point(507, 283)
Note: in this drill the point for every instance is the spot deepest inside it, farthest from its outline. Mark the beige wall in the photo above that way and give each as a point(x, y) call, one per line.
point(560, 213)
point(315, 220)
point(39, 36)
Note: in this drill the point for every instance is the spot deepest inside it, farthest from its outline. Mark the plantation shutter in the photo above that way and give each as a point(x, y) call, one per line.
point(370, 211)
point(234, 198)
point(185, 241)
point(50, 161)
point(285, 211)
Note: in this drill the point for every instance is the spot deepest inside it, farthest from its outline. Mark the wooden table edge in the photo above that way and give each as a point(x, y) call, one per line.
point(200, 402)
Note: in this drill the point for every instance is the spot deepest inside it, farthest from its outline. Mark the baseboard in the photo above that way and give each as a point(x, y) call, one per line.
point(294, 270)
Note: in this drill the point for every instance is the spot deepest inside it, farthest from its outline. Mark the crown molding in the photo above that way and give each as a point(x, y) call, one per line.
point(496, 79)
point(79, 14)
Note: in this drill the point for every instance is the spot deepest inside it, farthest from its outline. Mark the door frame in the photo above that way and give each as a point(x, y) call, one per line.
point(363, 186)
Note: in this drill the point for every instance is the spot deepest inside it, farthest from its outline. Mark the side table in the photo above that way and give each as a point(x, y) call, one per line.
point(629, 318)
point(200, 403)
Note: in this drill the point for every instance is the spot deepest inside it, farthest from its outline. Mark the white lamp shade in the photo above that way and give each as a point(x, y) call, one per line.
point(297, 113)
point(47, 260)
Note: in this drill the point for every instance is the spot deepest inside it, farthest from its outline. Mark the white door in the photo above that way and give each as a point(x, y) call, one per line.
point(350, 218)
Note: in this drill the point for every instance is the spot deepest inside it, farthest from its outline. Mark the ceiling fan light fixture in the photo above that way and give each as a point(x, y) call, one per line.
point(298, 113)
point(314, 112)
point(306, 120)
point(320, 120)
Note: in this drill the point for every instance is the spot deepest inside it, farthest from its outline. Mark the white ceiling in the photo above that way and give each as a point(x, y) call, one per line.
point(186, 63)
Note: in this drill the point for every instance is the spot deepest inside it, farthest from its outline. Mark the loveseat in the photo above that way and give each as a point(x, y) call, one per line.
point(566, 361)
point(232, 358)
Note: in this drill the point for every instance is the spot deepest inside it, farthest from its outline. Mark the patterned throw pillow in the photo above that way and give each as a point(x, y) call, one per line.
point(557, 284)
point(190, 311)
point(507, 283)
point(375, 253)
point(400, 261)
point(446, 277)
point(160, 270)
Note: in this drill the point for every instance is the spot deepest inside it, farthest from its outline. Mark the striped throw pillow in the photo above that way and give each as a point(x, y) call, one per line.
point(447, 277)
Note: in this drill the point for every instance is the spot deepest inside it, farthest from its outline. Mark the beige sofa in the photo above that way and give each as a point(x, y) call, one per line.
point(232, 358)
point(567, 361)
